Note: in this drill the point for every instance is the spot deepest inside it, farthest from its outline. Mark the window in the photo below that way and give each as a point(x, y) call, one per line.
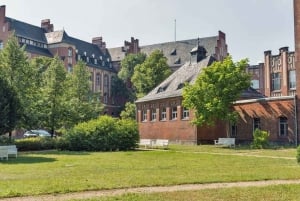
point(276, 85)
point(233, 131)
point(153, 114)
point(163, 114)
point(92, 77)
point(255, 84)
point(95, 61)
point(174, 112)
point(185, 113)
point(283, 126)
point(70, 68)
point(144, 115)
point(70, 52)
point(106, 84)
point(292, 79)
point(256, 123)
point(1, 45)
point(98, 79)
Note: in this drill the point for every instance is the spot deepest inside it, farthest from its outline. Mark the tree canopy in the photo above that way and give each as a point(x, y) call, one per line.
point(215, 90)
point(128, 64)
point(150, 73)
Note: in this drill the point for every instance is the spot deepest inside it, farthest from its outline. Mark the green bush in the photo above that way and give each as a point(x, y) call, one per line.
point(102, 134)
point(6, 140)
point(298, 154)
point(260, 139)
point(37, 143)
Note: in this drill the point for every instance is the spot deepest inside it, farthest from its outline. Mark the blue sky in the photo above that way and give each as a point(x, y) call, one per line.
point(251, 26)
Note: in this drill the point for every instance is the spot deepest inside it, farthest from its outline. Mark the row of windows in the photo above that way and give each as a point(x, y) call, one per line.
point(163, 114)
point(282, 127)
point(32, 42)
point(276, 80)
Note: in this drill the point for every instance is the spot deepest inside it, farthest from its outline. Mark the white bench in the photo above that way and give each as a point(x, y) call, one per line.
point(146, 142)
point(3, 153)
point(226, 141)
point(161, 143)
point(11, 149)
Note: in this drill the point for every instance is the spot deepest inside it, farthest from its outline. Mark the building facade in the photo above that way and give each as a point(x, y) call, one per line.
point(273, 109)
point(45, 41)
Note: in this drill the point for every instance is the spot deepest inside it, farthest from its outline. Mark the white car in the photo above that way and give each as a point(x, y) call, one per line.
point(37, 133)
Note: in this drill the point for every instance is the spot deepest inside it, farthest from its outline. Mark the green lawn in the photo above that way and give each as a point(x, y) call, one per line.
point(269, 193)
point(61, 172)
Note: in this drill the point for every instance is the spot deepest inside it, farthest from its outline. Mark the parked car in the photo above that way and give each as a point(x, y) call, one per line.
point(37, 133)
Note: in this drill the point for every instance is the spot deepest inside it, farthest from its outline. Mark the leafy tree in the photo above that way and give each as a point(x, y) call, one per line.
point(129, 112)
point(215, 90)
point(8, 107)
point(128, 64)
point(150, 73)
point(83, 104)
point(53, 95)
point(20, 75)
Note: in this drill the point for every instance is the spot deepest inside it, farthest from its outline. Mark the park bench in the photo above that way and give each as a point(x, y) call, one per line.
point(161, 143)
point(146, 142)
point(226, 142)
point(3, 153)
point(11, 149)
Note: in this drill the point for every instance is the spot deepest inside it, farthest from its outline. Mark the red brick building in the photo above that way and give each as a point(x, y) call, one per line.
point(45, 41)
point(161, 114)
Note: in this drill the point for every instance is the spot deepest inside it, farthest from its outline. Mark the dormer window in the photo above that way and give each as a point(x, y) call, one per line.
point(70, 52)
point(177, 61)
point(84, 53)
point(78, 57)
point(103, 63)
point(173, 53)
point(100, 57)
point(180, 86)
point(93, 55)
point(160, 89)
point(95, 61)
point(87, 59)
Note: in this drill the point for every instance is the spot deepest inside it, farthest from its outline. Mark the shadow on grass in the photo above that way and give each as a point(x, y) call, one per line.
point(23, 159)
point(56, 152)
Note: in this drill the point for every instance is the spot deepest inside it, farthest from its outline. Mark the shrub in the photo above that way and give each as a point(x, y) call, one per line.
point(4, 140)
point(260, 139)
point(37, 143)
point(298, 154)
point(102, 134)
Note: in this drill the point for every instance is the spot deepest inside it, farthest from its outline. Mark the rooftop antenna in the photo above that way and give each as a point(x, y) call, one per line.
point(175, 30)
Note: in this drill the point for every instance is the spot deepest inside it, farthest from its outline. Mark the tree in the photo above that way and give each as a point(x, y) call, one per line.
point(129, 112)
point(128, 64)
point(8, 107)
point(20, 76)
point(215, 90)
point(150, 73)
point(53, 100)
point(83, 104)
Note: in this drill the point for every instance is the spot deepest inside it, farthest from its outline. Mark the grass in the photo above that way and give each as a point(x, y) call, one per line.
point(270, 193)
point(35, 173)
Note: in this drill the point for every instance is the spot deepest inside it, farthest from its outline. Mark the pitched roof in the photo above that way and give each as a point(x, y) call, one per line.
point(27, 30)
point(180, 50)
point(82, 47)
point(38, 50)
point(172, 86)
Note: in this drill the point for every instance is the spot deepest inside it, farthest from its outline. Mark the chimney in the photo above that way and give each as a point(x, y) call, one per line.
point(100, 43)
point(45, 24)
point(2, 13)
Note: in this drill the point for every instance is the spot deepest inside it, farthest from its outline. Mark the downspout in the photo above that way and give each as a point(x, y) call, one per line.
point(296, 120)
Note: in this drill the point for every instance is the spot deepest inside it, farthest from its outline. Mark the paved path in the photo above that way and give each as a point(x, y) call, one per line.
point(156, 189)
